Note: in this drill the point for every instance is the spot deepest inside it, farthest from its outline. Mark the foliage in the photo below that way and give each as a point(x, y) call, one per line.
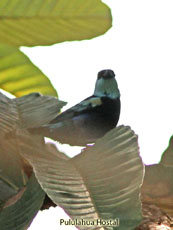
point(104, 180)
point(20, 193)
point(18, 215)
point(24, 23)
point(19, 76)
point(34, 23)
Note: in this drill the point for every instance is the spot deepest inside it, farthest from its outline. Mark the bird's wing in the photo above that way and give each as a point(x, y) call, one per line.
point(85, 105)
point(88, 103)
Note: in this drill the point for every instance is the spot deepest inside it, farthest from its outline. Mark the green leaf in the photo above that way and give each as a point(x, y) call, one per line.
point(29, 111)
point(36, 110)
point(8, 116)
point(19, 76)
point(20, 215)
point(12, 176)
point(20, 197)
point(102, 182)
point(23, 112)
point(167, 156)
point(39, 22)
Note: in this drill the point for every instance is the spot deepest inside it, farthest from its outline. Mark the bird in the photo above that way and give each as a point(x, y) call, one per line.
point(92, 118)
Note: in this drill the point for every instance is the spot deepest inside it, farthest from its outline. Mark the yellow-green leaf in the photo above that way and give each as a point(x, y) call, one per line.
point(19, 76)
point(45, 22)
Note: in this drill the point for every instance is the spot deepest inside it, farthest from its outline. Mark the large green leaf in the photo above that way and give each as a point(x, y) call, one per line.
point(12, 175)
point(102, 182)
point(28, 111)
point(35, 110)
point(40, 22)
point(20, 195)
point(23, 112)
point(19, 76)
point(19, 215)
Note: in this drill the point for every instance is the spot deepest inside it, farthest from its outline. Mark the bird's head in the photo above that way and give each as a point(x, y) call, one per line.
point(106, 84)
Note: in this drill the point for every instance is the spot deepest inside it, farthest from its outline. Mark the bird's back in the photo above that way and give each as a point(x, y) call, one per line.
point(81, 126)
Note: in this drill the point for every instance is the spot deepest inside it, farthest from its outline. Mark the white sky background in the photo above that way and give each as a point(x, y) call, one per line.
point(139, 48)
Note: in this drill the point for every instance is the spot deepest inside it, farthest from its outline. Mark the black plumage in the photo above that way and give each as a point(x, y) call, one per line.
point(91, 118)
